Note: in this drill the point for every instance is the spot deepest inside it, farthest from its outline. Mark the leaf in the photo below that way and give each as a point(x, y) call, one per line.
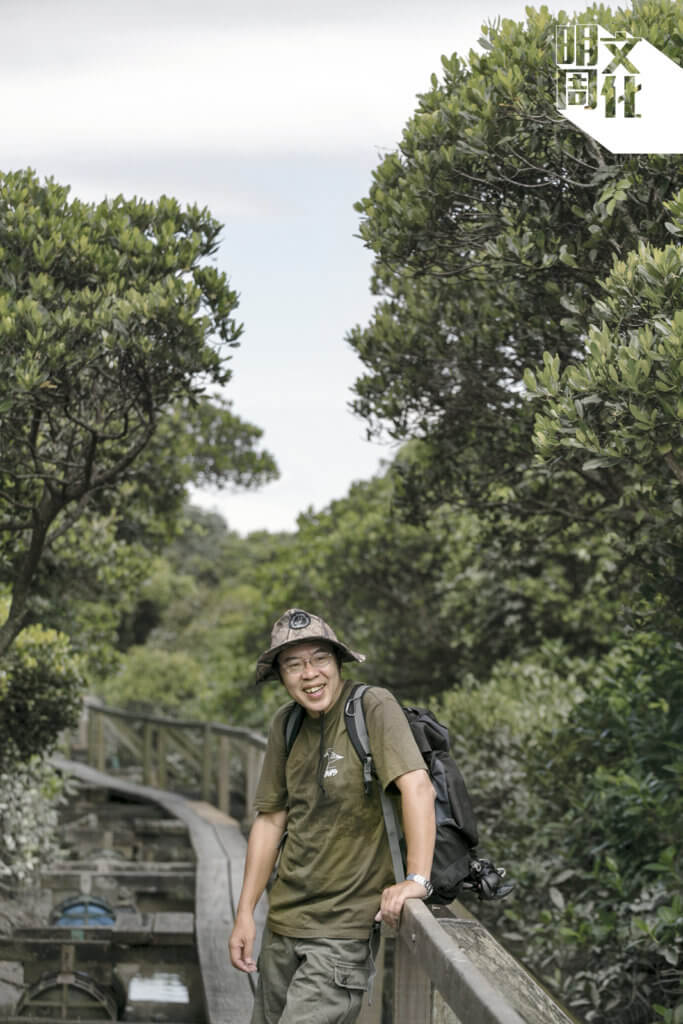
point(556, 897)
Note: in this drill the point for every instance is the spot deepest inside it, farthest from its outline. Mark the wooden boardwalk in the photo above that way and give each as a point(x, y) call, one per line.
point(220, 848)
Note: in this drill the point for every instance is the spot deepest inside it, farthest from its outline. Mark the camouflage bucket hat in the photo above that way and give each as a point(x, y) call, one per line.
point(297, 627)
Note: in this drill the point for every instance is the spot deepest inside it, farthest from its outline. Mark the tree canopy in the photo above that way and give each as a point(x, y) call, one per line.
point(113, 324)
point(490, 225)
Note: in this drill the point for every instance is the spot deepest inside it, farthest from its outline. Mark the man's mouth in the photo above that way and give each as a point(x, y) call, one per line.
point(313, 691)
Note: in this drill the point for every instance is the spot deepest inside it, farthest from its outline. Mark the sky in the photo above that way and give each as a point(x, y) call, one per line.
point(273, 115)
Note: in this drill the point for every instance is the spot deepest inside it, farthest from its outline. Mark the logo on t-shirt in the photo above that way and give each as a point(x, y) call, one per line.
point(330, 758)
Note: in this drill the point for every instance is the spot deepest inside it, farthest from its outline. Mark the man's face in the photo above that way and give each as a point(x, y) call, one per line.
point(311, 676)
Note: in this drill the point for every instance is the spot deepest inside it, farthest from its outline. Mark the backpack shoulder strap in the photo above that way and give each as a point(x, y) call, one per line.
point(293, 720)
point(354, 717)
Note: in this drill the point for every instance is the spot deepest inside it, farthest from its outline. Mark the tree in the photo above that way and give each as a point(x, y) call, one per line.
point(40, 683)
point(621, 409)
point(490, 225)
point(112, 325)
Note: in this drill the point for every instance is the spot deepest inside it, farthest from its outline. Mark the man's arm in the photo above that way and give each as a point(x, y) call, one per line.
point(262, 851)
point(419, 827)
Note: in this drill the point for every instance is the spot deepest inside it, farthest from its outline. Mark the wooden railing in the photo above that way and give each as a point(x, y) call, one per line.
point(447, 968)
point(214, 762)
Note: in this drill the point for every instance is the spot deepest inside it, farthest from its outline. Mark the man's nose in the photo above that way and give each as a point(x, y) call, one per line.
point(309, 669)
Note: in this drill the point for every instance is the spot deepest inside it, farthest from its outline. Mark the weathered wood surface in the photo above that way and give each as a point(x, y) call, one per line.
point(522, 992)
point(227, 992)
point(475, 977)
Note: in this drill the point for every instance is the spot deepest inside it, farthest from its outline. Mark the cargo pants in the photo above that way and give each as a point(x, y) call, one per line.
point(311, 981)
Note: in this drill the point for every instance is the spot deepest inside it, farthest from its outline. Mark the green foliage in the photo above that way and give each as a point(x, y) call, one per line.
point(40, 689)
point(28, 819)
point(190, 640)
point(620, 412)
point(490, 225)
point(112, 324)
point(575, 765)
point(152, 679)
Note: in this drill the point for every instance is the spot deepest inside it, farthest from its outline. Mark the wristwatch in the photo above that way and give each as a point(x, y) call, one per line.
point(428, 887)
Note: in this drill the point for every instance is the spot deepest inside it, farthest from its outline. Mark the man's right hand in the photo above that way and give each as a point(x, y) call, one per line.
point(242, 944)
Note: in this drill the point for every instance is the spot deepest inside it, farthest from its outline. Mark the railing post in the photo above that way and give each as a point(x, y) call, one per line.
point(147, 754)
point(161, 756)
point(96, 739)
point(207, 763)
point(254, 761)
point(224, 774)
point(412, 987)
point(92, 737)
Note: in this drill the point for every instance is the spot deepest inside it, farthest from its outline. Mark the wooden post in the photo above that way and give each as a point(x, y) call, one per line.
point(147, 751)
point(92, 737)
point(412, 987)
point(371, 1013)
point(99, 742)
point(207, 763)
point(254, 761)
point(224, 774)
point(161, 756)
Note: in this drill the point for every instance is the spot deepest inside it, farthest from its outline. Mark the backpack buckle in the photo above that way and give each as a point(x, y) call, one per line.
point(367, 774)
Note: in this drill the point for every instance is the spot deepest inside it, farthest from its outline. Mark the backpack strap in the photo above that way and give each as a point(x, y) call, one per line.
point(293, 720)
point(354, 717)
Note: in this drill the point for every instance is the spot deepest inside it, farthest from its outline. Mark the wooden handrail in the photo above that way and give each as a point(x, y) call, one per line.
point(194, 757)
point(238, 731)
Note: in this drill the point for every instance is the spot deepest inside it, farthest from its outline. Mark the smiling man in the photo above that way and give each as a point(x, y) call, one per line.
point(335, 878)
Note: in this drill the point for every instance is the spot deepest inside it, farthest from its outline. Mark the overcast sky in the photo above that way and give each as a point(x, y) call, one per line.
point(274, 115)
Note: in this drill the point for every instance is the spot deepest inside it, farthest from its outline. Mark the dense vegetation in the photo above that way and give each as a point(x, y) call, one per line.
point(518, 564)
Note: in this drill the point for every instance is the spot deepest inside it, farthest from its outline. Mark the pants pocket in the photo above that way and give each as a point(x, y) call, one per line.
point(354, 976)
point(354, 980)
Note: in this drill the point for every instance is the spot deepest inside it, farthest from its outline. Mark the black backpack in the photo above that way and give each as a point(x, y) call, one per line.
point(455, 864)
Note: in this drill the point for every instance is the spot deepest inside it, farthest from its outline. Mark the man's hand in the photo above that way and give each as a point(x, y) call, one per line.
point(393, 899)
point(242, 944)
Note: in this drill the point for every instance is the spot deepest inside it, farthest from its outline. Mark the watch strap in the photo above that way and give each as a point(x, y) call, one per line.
point(424, 882)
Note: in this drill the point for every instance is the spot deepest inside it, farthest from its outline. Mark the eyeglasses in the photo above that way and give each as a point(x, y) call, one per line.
point(295, 666)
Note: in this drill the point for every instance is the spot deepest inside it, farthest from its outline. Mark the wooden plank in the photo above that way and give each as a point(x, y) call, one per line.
point(501, 969)
point(147, 756)
point(412, 987)
point(207, 762)
point(186, 745)
point(371, 1012)
point(254, 762)
point(177, 924)
point(126, 737)
point(162, 776)
point(96, 739)
point(462, 985)
point(224, 774)
point(92, 738)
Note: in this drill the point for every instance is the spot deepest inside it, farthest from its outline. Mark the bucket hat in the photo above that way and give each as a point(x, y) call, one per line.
point(296, 627)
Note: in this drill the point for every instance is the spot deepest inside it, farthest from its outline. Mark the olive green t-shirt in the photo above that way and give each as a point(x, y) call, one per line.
point(335, 861)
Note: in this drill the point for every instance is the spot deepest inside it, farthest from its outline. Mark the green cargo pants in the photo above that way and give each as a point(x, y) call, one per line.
point(311, 981)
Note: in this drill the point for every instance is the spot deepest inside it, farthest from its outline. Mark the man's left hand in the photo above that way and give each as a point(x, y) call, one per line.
point(393, 899)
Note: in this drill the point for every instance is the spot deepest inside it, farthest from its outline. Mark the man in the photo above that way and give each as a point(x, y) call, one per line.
point(335, 876)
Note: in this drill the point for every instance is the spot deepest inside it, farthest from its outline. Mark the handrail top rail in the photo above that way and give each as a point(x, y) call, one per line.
point(236, 731)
